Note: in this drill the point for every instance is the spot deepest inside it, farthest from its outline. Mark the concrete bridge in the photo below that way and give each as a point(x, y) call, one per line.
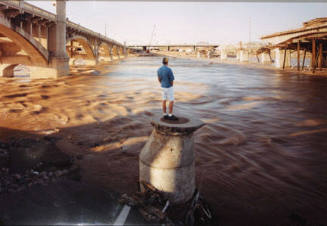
point(175, 46)
point(48, 43)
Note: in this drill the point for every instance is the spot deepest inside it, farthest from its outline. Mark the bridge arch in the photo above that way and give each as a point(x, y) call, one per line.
point(7, 70)
point(79, 47)
point(18, 47)
point(104, 52)
point(14, 70)
point(104, 49)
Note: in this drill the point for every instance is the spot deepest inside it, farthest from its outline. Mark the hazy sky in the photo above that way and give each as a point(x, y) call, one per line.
point(188, 22)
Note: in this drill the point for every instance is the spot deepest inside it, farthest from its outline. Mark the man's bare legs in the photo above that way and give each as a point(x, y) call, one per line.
point(164, 109)
point(171, 105)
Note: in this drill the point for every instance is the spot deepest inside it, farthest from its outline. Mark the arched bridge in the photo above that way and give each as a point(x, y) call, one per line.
point(47, 43)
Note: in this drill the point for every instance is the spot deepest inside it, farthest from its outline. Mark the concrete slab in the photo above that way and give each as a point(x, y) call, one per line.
point(181, 126)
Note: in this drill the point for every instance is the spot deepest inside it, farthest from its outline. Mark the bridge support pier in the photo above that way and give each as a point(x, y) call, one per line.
point(237, 55)
point(167, 160)
point(59, 62)
point(125, 50)
point(110, 53)
point(223, 54)
point(264, 58)
point(280, 62)
point(244, 56)
point(118, 54)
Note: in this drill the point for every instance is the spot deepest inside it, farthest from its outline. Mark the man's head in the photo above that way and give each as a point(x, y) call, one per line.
point(165, 61)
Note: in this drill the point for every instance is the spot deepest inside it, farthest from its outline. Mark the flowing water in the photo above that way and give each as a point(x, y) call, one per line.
point(261, 158)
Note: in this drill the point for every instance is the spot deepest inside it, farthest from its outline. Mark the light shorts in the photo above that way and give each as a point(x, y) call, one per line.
point(168, 93)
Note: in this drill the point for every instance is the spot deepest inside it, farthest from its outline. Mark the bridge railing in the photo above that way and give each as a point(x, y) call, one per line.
point(26, 7)
point(34, 10)
point(88, 31)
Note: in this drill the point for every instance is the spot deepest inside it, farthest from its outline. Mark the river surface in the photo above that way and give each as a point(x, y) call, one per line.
point(261, 159)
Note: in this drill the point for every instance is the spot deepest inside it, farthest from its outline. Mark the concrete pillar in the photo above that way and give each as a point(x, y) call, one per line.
point(110, 52)
point(279, 58)
point(125, 50)
point(117, 51)
point(209, 54)
point(71, 48)
point(39, 32)
point(264, 58)
point(60, 60)
point(167, 159)
point(52, 39)
point(223, 54)
point(96, 52)
point(237, 55)
point(47, 36)
point(244, 56)
point(61, 29)
point(28, 27)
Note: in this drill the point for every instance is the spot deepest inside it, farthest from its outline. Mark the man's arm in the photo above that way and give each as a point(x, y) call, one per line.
point(171, 77)
point(159, 78)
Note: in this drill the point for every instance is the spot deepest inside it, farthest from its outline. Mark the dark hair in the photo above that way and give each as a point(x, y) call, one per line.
point(165, 60)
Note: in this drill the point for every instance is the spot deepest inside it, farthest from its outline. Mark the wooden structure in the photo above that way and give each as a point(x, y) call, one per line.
point(311, 38)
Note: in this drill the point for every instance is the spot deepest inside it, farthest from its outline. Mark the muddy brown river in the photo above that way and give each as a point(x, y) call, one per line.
point(261, 159)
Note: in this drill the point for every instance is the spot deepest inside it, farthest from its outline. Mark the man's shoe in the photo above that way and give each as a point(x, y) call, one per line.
point(173, 118)
point(166, 117)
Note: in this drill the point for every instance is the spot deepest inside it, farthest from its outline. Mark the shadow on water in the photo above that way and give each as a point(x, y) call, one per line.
point(251, 184)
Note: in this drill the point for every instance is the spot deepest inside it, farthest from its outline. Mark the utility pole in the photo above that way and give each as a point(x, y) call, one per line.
point(152, 34)
point(250, 29)
point(249, 32)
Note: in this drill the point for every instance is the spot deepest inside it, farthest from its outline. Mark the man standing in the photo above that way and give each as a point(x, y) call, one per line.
point(166, 79)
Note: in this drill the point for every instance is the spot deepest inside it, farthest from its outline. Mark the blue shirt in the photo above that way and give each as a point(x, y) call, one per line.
point(166, 76)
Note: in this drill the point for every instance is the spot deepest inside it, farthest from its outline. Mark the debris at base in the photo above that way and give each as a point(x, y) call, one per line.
point(154, 208)
point(150, 204)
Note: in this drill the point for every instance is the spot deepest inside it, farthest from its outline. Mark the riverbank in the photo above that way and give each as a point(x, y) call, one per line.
point(234, 61)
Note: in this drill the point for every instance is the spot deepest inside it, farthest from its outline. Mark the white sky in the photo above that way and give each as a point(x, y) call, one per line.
point(188, 22)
